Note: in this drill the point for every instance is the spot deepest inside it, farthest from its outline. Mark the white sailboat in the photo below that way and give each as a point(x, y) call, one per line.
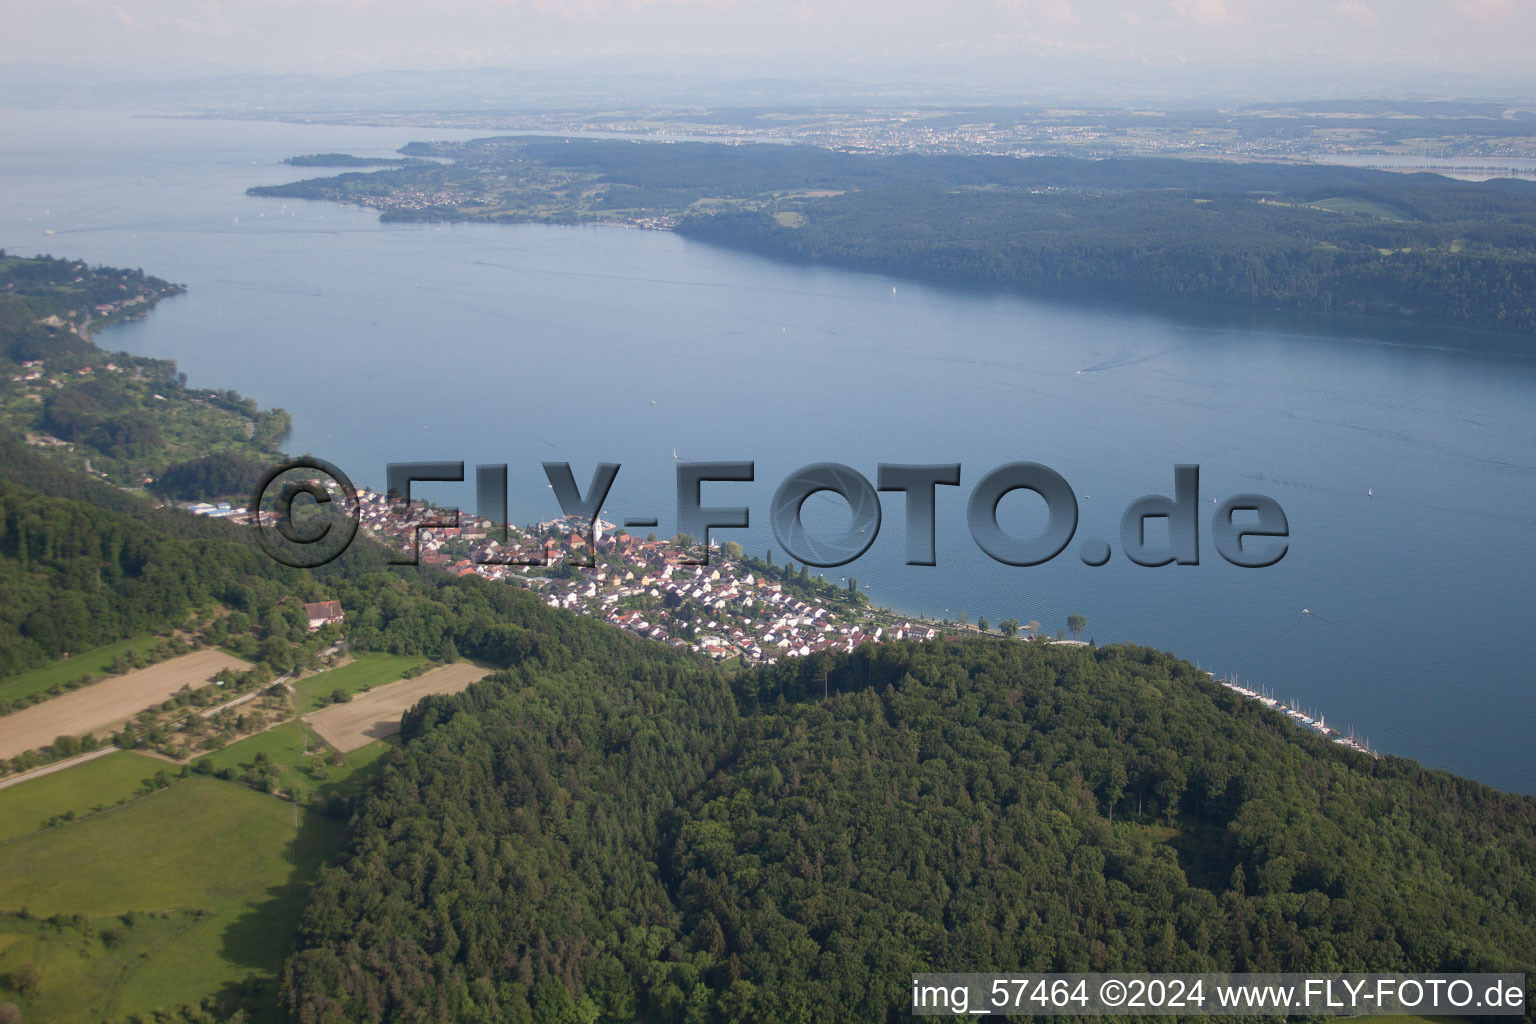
point(674, 452)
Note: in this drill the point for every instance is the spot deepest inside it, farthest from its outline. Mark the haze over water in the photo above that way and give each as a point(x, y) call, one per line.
point(519, 344)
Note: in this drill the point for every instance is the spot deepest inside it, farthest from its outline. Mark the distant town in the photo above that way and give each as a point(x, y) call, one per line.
point(1440, 135)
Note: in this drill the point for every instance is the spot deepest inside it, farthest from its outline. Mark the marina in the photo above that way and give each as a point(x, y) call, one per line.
point(1317, 723)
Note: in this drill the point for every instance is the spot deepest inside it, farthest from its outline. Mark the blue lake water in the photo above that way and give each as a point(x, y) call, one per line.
point(523, 344)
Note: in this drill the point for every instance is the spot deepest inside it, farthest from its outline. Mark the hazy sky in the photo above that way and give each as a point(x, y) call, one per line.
point(175, 37)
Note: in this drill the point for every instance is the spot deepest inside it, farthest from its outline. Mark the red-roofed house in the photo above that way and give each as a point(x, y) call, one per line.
point(322, 614)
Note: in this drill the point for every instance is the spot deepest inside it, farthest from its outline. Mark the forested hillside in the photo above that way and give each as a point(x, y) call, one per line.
point(125, 418)
point(1171, 248)
point(83, 562)
point(1193, 235)
point(636, 840)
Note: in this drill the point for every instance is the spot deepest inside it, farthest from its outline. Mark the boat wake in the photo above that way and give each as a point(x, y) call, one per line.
point(1116, 362)
point(1315, 625)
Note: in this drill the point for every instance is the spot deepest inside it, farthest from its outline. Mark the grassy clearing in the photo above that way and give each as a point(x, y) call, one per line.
point(102, 783)
point(303, 760)
point(363, 674)
point(790, 219)
point(99, 660)
point(189, 893)
point(1344, 204)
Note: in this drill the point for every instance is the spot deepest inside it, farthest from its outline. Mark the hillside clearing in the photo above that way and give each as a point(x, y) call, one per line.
point(376, 714)
point(210, 875)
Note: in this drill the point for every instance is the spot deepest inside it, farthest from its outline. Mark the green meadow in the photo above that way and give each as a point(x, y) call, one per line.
point(189, 893)
point(366, 672)
point(101, 783)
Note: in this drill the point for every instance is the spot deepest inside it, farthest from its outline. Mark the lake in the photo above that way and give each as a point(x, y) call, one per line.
point(520, 344)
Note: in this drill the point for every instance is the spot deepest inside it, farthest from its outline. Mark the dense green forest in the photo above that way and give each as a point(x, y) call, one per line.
point(211, 475)
point(623, 835)
point(1167, 248)
point(1311, 239)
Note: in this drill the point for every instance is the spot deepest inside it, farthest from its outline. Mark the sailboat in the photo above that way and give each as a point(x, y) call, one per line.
point(1370, 492)
point(674, 452)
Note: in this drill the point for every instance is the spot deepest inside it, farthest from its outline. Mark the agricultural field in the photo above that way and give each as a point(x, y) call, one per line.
point(109, 702)
point(79, 790)
point(97, 661)
point(376, 714)
point(188, 893)
point(357, 676)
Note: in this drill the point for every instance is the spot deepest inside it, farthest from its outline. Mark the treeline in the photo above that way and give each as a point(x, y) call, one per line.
point(581, 839)
point(45, 277)
point(347, 160)
point(73, 576)
point(1473, 267)
point(211, 475)
point(37, 288)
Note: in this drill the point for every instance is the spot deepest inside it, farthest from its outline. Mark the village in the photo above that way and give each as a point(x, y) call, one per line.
point(732, 607)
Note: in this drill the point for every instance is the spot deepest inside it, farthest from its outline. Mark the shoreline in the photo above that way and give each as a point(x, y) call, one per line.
point(1318, 725)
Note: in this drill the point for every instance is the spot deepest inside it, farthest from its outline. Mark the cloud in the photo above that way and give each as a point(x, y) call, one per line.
point(1205, 12)
point(1486, 10)
point(1356, 37)
point(1357, 12)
